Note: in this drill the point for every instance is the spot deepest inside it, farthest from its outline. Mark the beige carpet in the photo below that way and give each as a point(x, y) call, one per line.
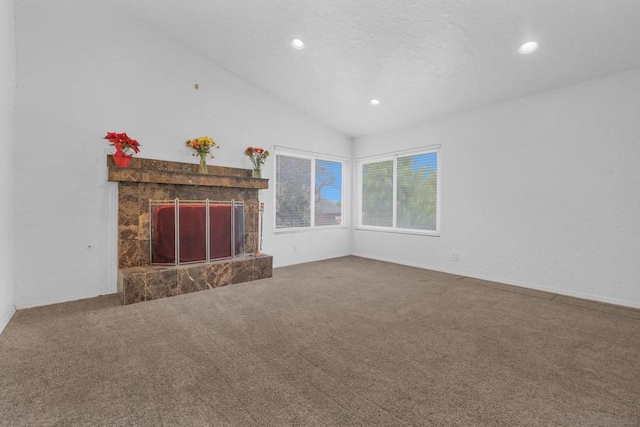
point(342, 342)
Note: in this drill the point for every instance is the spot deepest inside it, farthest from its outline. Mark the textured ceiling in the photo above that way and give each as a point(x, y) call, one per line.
point(421, 58)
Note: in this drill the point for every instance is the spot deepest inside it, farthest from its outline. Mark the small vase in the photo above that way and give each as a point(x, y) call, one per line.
point(203, 165)
point(257, 173)
point(122, 160)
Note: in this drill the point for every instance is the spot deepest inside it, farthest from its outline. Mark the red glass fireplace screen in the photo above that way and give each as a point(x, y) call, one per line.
point(187, 231)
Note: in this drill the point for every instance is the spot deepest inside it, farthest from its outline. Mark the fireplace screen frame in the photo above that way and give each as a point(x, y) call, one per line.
point(237, 218)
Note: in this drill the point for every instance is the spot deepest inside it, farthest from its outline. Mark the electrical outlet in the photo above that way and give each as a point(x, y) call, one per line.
point(454, 256)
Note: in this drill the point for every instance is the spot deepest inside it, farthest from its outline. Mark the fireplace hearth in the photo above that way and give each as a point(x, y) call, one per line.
point(152, 192)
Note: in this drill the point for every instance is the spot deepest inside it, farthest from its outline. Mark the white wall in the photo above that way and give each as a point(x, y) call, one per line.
point(7, 135)
point(85, 69)
point(542, 192)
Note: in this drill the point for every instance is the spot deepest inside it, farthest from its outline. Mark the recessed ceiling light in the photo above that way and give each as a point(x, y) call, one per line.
point(297, 44)
point(375, 102)
point(528, 47)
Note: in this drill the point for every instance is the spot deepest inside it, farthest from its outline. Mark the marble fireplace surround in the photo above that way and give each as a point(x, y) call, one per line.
point(147, 179)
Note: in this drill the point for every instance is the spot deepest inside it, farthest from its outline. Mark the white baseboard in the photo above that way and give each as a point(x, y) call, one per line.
point(5, 317)
point(582, 295)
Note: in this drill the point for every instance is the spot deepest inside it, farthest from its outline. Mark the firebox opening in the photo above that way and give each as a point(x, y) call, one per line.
point(190, 231)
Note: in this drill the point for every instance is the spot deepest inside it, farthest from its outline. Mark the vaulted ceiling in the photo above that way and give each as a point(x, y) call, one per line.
point(421, 58)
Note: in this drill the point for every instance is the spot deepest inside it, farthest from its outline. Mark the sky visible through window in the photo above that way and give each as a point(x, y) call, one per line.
point(429, 161)
point(332, 170)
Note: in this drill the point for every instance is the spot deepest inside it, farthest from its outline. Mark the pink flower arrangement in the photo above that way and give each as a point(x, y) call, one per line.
point(257, 155)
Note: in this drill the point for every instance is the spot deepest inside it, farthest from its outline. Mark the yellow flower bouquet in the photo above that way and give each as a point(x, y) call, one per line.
point(202, 145)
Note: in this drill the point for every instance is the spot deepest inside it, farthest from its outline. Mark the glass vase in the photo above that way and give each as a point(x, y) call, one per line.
point(203, 165)
point(257, 173)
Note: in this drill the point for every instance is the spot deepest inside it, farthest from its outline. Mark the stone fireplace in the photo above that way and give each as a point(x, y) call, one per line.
point(147, 180)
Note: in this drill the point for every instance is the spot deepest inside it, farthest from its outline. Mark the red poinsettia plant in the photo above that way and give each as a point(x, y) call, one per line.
point(257, 155)
point(123, 142)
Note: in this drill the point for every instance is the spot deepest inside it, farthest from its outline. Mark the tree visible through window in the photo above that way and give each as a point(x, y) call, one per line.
point(377, 194)
point(305, 184)
point(293, 192)
point(401, 193)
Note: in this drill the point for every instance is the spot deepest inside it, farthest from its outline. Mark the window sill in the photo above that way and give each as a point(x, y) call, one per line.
point(399, 231)
point(310, 229)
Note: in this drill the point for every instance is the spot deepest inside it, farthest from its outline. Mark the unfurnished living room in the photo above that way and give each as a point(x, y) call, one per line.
point(319, 213)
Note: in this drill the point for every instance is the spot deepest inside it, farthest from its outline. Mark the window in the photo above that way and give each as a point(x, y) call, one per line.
point(306, 185)
point(400, 193)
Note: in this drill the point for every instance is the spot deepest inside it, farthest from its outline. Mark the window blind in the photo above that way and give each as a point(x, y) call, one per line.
point(400, 192)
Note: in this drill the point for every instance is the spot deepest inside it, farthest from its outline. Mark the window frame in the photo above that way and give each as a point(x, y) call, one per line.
point(313, 157)
point(360, 162)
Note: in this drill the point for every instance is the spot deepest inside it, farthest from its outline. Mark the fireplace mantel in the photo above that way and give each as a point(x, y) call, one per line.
point(177, 173)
